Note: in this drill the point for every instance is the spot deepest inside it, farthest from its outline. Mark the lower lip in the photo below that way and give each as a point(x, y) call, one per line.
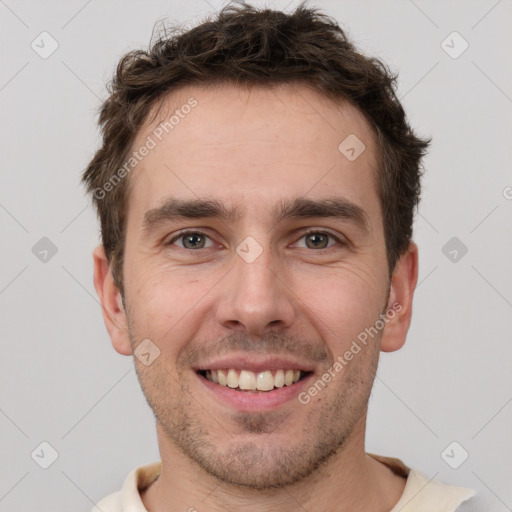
point(247, 401)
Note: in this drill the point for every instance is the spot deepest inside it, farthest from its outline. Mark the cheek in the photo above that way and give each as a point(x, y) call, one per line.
point(166, 306)
point(342, 305)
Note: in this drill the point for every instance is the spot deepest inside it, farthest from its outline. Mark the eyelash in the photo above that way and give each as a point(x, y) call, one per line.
point(309, 232)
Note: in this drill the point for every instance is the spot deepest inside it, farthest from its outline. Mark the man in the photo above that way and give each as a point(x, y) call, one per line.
point(256, 188)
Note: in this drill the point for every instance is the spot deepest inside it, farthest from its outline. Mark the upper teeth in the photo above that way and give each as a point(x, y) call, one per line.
point(245, 379)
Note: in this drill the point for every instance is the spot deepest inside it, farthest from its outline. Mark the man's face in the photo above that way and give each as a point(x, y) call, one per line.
point(255, 291)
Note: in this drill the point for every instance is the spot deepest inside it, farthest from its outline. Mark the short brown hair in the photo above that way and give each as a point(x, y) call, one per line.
point(247, 46)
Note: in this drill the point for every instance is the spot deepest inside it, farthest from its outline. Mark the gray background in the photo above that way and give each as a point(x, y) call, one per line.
point(64, 384)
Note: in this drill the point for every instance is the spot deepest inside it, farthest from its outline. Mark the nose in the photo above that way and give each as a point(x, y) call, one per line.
point(256, 298)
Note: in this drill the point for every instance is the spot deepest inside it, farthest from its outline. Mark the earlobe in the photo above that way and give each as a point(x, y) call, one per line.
point(399, 309)
point(111, 303)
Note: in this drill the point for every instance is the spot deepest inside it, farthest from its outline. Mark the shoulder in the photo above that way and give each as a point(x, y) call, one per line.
point(128, 498)
point(422, 494)
point(477, 503)
point(110, 503)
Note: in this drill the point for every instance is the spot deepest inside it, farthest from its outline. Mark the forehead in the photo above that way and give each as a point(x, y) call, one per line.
point(253, 148)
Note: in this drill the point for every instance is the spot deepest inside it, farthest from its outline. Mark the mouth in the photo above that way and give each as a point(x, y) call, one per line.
point(247, 382)
point(253, 382)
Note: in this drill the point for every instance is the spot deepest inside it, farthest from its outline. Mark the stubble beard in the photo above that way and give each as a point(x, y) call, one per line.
point(251, 452)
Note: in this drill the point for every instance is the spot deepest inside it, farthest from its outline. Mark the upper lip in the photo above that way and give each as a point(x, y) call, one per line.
point(255, 363)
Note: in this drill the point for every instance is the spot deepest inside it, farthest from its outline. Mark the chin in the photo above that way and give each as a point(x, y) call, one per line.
point(261, 465)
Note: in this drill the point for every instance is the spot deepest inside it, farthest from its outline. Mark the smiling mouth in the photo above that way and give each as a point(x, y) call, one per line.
point(246, 380)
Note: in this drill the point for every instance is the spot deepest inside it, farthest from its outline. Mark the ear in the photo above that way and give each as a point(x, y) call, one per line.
point(111, 303)
point(399, 308)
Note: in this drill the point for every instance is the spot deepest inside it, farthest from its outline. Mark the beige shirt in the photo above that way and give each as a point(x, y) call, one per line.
point(420, 494)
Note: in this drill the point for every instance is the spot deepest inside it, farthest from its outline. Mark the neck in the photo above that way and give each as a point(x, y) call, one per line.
point(350, 480)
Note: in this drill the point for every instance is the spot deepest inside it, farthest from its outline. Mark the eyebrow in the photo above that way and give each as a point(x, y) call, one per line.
point(174, 209)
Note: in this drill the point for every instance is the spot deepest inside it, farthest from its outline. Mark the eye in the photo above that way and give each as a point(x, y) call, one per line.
point(319, 239)
point(191, 240)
